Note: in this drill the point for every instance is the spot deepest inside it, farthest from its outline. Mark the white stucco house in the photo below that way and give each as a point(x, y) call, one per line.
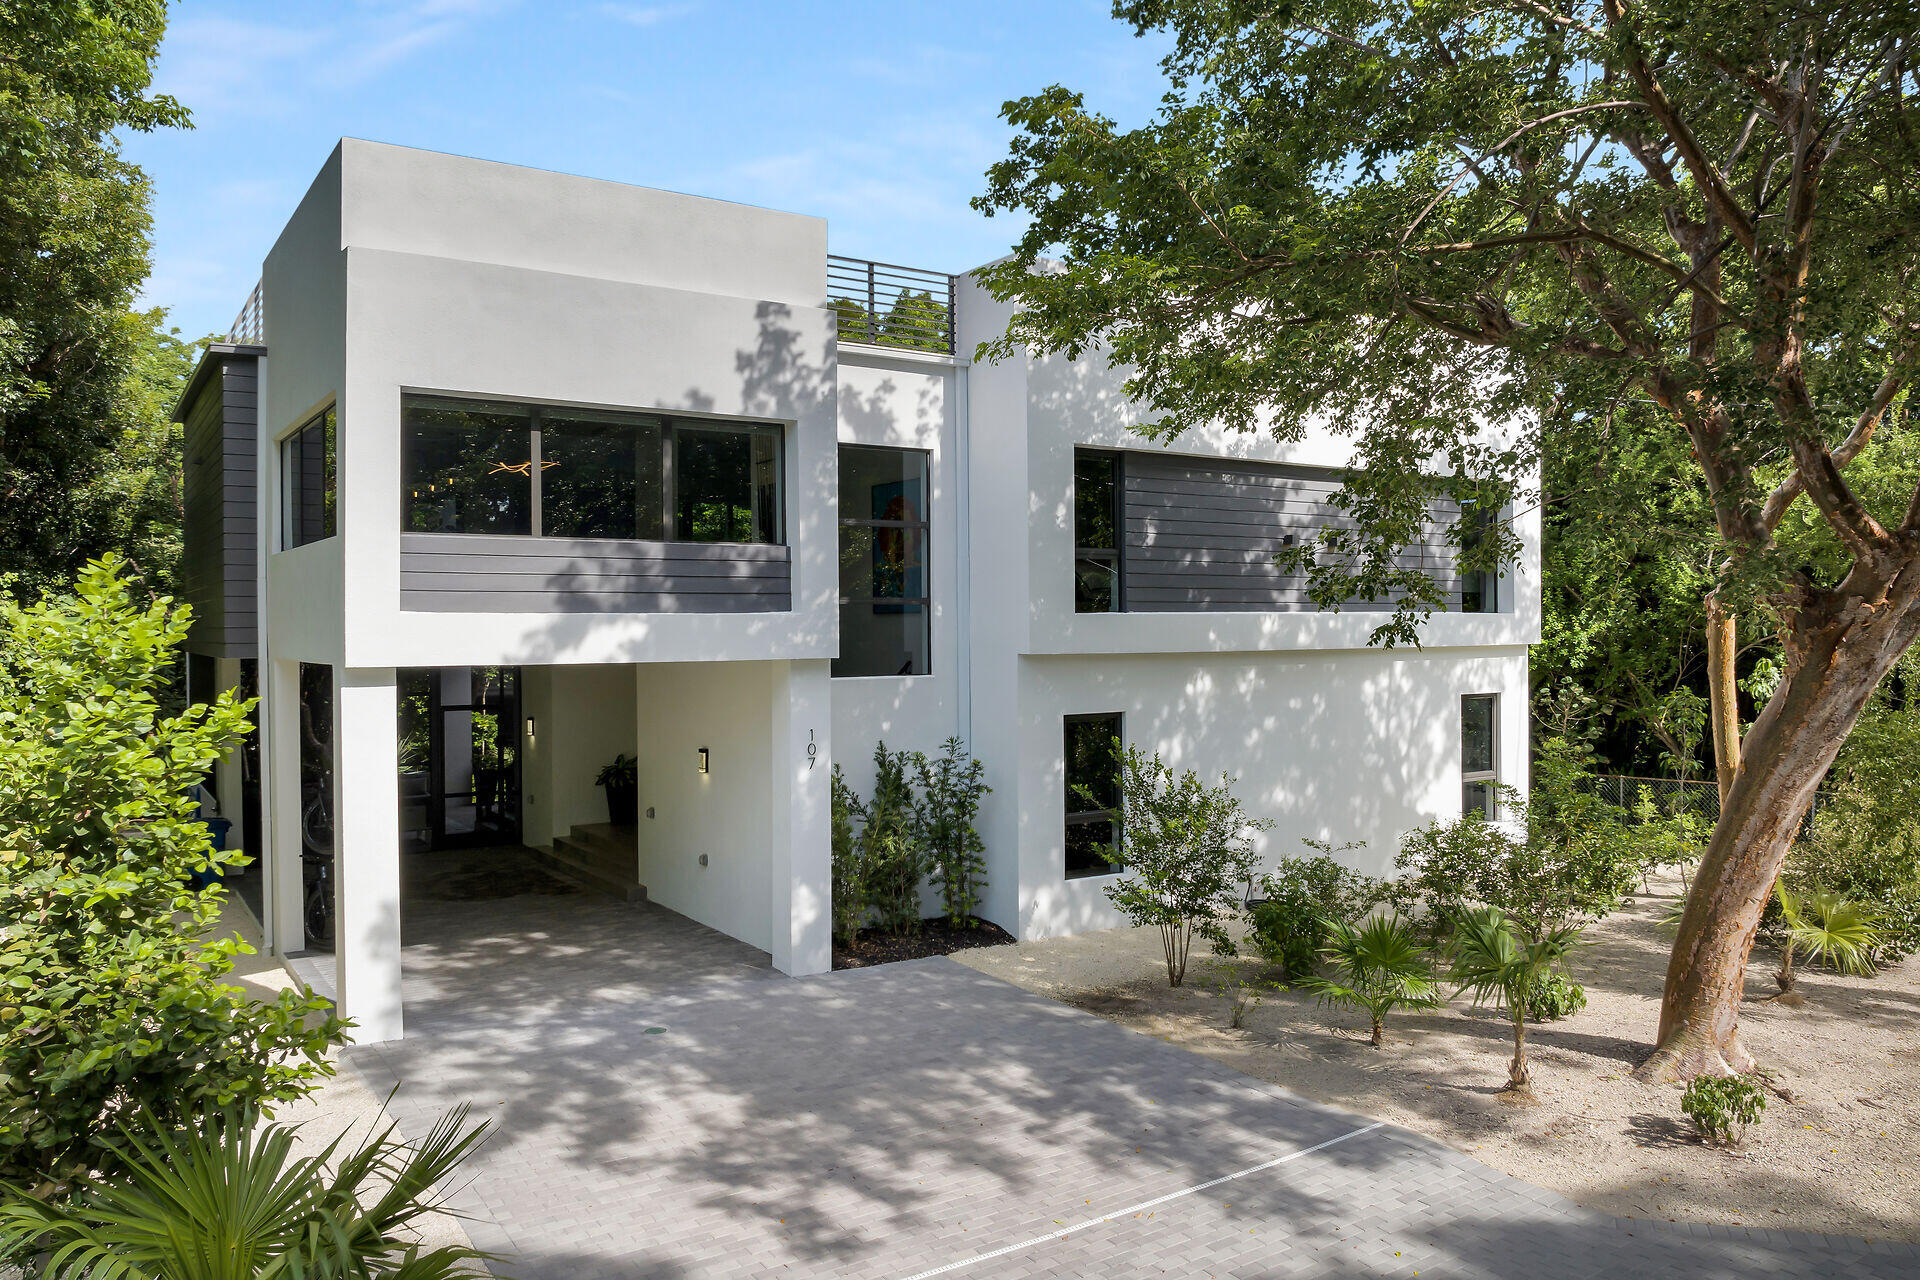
point(507, 472)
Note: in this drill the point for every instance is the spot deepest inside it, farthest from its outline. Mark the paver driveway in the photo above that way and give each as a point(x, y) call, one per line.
point(668, 1106)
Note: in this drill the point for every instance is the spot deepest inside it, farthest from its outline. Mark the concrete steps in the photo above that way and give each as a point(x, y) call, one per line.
point(600, 856)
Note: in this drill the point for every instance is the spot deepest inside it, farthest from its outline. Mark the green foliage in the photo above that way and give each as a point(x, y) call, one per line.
point(113, 1001)
point(1825, 927)
point(1243, 991)
point(890, 850)
point(85, 461)
point(1188, 850)
point(951, 787)
point(1495, 964)
point(913, 321)
point(621, 771)
point(1299, 896)
point(1722, 1108)
point(229, 1200)
point(1566, 855)
point(1379, 965)
point(849, 873)
point(1555, 997)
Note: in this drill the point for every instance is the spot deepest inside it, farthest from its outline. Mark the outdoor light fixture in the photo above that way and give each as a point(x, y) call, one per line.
point(704, 760)
point(529, 728)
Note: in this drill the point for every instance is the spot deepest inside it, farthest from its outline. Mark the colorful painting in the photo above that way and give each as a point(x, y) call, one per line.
point(899, 569)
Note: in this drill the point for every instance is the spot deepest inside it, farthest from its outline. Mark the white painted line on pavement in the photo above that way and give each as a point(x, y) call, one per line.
point(1144, 1204)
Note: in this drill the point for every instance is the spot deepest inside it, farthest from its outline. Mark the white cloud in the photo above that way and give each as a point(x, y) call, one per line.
point(646, 15)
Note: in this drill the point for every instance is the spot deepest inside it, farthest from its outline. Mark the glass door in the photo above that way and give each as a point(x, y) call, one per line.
point(460, 757)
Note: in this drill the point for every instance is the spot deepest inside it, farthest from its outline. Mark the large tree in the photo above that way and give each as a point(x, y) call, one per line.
point(73, 252)
point(1411, 220)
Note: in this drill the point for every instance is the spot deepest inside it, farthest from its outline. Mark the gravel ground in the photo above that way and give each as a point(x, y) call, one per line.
point(1840, 1153)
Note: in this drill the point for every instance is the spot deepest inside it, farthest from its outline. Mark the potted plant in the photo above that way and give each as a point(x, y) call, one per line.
point(622, 781)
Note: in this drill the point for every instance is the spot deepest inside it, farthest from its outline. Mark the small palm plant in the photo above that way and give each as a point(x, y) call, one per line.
point(1493, 962)
point(226, 1201)
point(1379, 965)
point(1826, 927)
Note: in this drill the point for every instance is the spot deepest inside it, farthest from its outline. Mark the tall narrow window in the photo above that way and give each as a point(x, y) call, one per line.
point(1479, 588)
point(1479, 754)
point(885, 602)
point(1093, 796)
point(1097, 578)
point(307, 483)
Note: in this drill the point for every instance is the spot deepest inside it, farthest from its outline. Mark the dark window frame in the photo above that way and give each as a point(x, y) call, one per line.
point(924, 527)
point(1115, 557)
point(1479, 588)
point(1088, 817)
point(1486, 780)
point(317, 437)
point(671, 427)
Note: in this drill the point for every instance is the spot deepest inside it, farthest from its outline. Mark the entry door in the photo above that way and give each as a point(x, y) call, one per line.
point(466, 791)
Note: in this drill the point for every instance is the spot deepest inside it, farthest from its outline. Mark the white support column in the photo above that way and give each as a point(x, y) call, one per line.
point(366, 841)
point(279, 716)
point(801, 763)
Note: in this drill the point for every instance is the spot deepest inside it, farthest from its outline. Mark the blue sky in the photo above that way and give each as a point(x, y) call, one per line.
point(881, 118)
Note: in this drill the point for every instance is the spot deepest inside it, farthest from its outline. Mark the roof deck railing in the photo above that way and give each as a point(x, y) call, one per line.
point(249, 327)
point(885, 305)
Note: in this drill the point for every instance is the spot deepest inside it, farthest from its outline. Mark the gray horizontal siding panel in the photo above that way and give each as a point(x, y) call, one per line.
point(479, 573)
point(1204, 536)
point(219, 507)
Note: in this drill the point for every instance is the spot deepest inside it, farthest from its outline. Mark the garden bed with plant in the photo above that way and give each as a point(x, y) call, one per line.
point(935, 937)
point(1398, 999)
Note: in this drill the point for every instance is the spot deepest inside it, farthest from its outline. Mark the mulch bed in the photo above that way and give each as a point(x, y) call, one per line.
point(936, 938)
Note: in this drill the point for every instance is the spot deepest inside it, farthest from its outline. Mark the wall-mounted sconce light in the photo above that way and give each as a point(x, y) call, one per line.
point(529, 728)
point(705, 760)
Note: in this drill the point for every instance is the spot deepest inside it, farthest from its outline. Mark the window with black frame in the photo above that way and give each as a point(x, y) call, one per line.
point(886, 604)
point(1479, 755)
point(1479, 588)
point(1098, 580)
point(1093, 796)
point(307, 483)
point(492, 468)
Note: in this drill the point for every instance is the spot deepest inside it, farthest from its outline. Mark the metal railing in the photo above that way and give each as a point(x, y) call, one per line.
point(885, 305)
point(249, 327)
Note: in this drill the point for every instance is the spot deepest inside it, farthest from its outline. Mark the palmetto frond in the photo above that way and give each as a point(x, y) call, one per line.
point(1830, 928)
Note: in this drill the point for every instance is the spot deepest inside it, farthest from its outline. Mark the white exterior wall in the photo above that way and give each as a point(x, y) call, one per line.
point(581, 722)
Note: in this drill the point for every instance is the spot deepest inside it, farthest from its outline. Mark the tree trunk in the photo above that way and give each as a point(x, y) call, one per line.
point(1517, 1075)
point(1837, 653)
point(1379, 1032)
point(1785, 977)
point(1723, 695)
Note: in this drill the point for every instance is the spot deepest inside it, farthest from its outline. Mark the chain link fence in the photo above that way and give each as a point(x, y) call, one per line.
point(1674, 796)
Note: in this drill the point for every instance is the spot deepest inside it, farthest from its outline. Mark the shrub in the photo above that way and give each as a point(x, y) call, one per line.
point(1243, 993)
point(1555, 997)
point(1494, 963)
point(951, 786)
point(1722, 1108)
point(1187, 851)
point(113, 997)
point(849, 874)
point(1299, 896)
point(227, 1200)
point(1379, 965)
point(1566, 856)
point(1827, 928)
point(889, 848)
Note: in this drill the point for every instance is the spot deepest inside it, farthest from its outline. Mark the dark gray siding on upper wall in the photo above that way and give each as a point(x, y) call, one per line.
point(481, 573)
point(220, 415)
point(1201, 535)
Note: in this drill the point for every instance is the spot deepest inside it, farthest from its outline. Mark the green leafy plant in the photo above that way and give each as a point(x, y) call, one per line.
point(951, 787)
point(889, 847)
point(1555, 997)
point(228, 1200)
point(1722, 1108)
point(111, 971)
point(1497, 965)
point(1298, 897)
point(621, 771)
point(1379, 966)
point(1826, 927)
point(1187, 848)
point(849, 872)
point(1243, 991)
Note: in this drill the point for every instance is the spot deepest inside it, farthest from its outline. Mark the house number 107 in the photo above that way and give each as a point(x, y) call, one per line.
point(813, 751)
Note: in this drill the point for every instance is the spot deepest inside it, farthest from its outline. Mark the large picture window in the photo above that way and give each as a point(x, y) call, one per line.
point(307, 483)
point(1093, 796)
point(885, 600)
point(1097, 577)
point(1479, 755)
point(479, 467)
